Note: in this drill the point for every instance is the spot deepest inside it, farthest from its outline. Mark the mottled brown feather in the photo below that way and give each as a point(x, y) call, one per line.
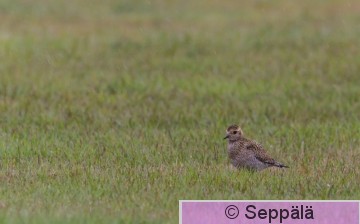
point(259, 152)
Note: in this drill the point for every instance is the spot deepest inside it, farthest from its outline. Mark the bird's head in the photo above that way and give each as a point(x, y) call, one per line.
point(233, 133)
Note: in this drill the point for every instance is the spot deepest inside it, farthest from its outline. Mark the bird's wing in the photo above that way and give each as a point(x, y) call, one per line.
point(260, 152)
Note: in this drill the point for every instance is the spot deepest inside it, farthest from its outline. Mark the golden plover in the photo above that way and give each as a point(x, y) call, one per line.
point(246, 153)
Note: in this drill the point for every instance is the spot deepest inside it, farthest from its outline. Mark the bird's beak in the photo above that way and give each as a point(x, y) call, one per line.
point(227, 136)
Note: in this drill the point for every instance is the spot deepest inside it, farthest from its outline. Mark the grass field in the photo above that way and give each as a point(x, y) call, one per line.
point(112, 111)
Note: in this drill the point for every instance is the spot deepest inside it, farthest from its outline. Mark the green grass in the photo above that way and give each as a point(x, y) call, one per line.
point(111, 112)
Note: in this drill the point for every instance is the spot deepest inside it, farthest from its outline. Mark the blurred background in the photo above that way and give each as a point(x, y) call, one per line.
point(112, 111)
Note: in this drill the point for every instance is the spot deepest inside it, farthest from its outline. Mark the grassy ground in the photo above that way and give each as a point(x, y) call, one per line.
point(113, 111)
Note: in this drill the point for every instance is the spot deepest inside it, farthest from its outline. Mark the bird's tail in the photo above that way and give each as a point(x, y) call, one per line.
point(280, 165)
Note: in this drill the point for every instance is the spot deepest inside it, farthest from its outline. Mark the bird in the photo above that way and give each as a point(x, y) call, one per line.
point(246, 153)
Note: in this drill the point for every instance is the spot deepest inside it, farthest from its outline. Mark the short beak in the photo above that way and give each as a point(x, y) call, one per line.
point(227, 136)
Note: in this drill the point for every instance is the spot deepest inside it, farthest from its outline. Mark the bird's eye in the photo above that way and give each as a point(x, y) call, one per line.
point(234, 132)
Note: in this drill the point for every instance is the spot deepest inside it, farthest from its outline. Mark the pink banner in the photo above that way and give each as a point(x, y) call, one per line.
point(269, 212)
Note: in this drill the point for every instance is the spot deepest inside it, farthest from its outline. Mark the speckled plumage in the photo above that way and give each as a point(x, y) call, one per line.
point(246, 153)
